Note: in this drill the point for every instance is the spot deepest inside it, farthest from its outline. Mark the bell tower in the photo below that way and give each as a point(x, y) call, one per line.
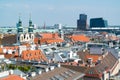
point(30, 29)
point(24, 36)
point(19, 30)
point(19, 26)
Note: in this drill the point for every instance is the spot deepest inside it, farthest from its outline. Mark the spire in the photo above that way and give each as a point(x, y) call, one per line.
point(19, 25)
point(30, 21)
point(20, 22)
point(19, 16)
point(44, 25)
point(30, 29)
point(30, 16)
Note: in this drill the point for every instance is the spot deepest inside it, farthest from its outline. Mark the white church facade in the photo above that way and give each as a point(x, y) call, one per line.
point(25, 37)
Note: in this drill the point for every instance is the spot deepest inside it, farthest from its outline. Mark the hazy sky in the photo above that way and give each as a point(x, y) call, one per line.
point(57, 11)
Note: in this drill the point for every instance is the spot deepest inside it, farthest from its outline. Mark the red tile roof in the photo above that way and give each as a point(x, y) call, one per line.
point(12, 77)
point(50, 41)
point(81, 38)
point(33, 55)
point(36, 40)
point(93, 57)
point(49, 35)
point(8, 56)
point(11, 47)
point(48, 38)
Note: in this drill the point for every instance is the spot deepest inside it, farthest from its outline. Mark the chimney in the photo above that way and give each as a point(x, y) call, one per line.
point(105, 54)
point(21, 75)
point(102, 51)
point(88, 50)
point(58, 65)
point(90, 61)
point(51, 68)
point(10, 72)
point(99, 60)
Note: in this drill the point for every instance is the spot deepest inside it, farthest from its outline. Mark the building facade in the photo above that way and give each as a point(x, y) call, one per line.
point(82, 22)
point(25, 37)
point(98, 22)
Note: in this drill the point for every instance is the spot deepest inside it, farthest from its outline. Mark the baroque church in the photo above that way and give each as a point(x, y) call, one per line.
point(25, 36)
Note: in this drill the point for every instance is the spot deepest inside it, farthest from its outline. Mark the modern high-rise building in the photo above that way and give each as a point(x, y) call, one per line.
point(98, 22)
point(82, 22)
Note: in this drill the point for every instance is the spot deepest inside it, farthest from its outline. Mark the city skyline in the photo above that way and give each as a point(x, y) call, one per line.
point(57, 11)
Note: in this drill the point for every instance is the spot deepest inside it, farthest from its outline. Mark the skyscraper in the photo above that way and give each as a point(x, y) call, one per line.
point(82, 22)
point(98, 22)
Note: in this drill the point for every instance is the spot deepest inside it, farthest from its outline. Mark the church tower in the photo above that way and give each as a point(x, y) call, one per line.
point(19, 26)
point(30, 29)
point(27, 36)
point(19, 31)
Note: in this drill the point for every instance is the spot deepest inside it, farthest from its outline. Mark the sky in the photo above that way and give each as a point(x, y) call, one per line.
point(53, 12)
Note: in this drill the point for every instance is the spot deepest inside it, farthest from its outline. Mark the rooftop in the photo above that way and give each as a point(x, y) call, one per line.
point(59, 74)
point(12, 77)
point(81, 38)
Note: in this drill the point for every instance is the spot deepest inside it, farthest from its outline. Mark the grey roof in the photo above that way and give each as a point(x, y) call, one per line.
point(97, 50)
point(18, 72)
point(59, 74)
point(108, 62)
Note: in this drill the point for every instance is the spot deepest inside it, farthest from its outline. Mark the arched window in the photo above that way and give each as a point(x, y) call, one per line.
point(21, 38)
point(24, 36)
point(27, 38)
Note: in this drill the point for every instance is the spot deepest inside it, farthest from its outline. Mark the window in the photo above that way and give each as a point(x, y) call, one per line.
point(18, 38)
point(38, 41)
point(90, 72)
point(27, 38)
point(21, 38)
point(24, 36)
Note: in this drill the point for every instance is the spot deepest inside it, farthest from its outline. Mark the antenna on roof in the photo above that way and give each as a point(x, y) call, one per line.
point(30, 16)
point(44, 25)
point(19, 16)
